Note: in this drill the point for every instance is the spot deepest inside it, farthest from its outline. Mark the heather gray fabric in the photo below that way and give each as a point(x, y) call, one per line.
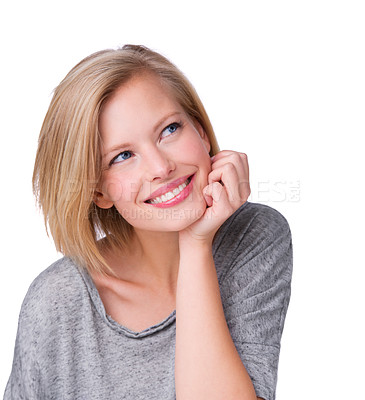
point(68, 348)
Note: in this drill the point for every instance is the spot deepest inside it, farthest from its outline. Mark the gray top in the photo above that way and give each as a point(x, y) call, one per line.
point(67, 347)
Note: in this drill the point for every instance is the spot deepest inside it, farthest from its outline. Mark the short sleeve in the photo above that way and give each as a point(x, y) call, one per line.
point(255, 290)
point(23, 382)
point(43, 319)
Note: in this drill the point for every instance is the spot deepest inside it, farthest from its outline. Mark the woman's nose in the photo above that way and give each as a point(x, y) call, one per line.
point(159, 165)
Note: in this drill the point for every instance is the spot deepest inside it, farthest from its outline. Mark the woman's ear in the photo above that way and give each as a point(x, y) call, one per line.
point(203, 135)
point(101, 200)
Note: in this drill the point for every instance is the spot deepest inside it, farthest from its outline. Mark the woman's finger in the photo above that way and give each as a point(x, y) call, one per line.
point(221, 206)
point(227, 174)
point(239, 160)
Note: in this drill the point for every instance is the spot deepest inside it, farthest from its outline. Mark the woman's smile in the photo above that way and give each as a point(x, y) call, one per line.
point(172, 193)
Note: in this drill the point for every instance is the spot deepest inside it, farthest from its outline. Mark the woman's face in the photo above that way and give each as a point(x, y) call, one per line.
point(155, 159)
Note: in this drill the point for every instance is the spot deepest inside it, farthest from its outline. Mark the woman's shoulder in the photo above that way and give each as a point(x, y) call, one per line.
point(253, 236)
point(59, 276)
point(254, 220)
point(51, 289)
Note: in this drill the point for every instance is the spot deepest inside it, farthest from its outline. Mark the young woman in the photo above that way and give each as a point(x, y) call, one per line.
point(172, 284)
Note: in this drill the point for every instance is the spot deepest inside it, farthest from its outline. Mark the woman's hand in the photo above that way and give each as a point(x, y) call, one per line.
point(228, 188)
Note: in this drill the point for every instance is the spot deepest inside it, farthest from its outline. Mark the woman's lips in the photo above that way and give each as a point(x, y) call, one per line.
point(167, 188)
point(173, 193)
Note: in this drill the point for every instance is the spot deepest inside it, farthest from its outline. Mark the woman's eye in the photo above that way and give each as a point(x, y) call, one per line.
point(124, 155)
point(170, 129)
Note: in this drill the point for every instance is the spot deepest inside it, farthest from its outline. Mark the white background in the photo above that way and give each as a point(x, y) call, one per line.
point(282, 81)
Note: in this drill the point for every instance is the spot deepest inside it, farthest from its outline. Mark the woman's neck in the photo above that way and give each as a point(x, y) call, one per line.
point(152, 260)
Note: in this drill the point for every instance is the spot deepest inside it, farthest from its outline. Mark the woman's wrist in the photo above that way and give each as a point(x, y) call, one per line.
point(190, 240)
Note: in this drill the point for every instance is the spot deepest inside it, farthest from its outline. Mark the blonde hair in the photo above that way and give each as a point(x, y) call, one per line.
point(68, 161)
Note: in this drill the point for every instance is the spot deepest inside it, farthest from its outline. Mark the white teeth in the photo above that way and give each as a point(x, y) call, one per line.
point(169, 195)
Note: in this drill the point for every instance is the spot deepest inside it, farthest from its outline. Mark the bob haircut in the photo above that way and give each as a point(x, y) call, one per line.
point(68, 161)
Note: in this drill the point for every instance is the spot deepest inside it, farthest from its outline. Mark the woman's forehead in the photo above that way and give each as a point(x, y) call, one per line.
point(145, 81)
point(141, 101)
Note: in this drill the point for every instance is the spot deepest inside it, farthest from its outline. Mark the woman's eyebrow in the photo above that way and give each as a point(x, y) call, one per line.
point(116, 147)
point(163, 119)
point(155, 128)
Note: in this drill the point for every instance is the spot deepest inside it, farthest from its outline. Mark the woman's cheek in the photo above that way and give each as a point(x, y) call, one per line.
point(194, 147)
point(113, 190)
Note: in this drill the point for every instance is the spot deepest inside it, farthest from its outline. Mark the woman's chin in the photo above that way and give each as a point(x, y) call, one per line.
point(167, 219)
point(177, 220)
point(170, 219)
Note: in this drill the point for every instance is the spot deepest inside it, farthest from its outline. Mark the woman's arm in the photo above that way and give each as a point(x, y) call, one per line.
point(207, 364)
